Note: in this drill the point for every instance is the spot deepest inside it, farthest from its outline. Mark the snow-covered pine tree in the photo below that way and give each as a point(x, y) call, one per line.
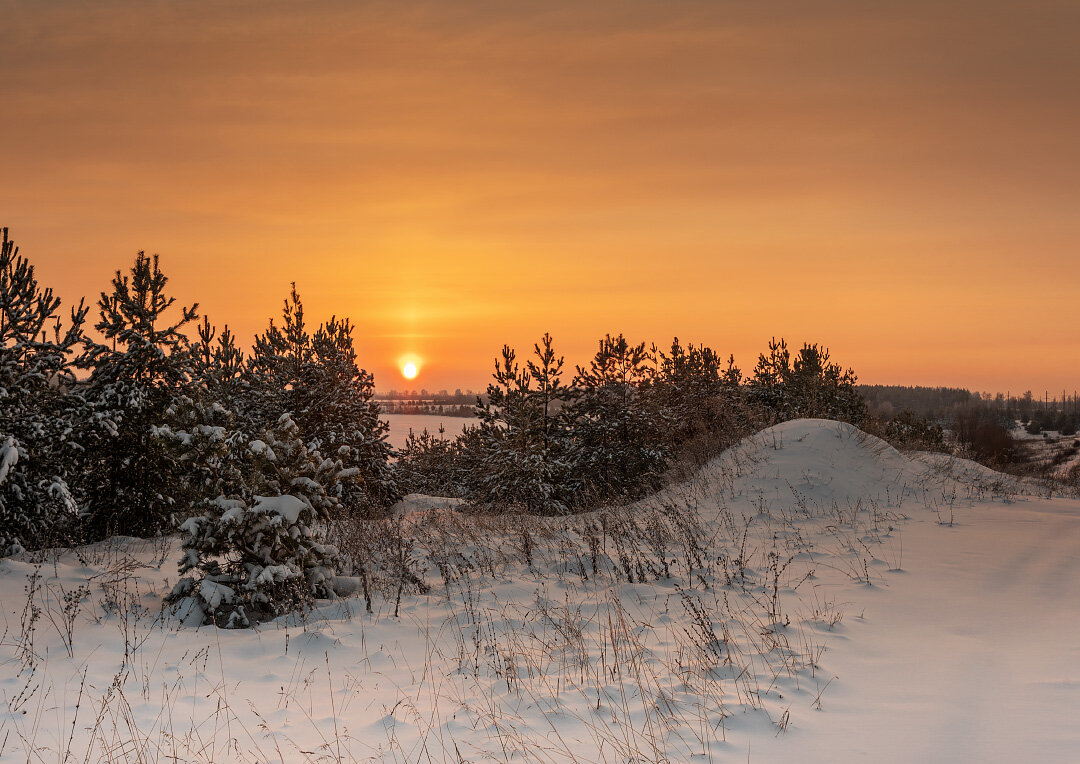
point(825, 389)
point(279, 361)
point(260, 500)
point(36, 408)
point(527, 456)
point(623, 440)
point(201, 426)
point(255, 546)
point(316, 380)
point(808, 386)
point(768, 387)
point(218, 367)
point(344, 422)
point(130, 478)
point(695, 394)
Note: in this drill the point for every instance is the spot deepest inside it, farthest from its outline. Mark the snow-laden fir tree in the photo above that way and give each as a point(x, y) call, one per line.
point(36, 408)
point(317, 381)
point(131, 480)
point(526, 452)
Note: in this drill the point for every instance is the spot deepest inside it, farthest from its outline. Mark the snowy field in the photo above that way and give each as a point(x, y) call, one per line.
point(401, 424)
point(813, 595)
point(1050, 450)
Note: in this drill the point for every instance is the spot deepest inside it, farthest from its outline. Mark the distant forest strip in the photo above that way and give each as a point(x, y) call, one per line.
point(943, 404)
point(442, 403)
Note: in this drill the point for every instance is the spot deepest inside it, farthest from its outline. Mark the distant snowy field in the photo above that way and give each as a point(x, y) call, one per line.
point(1061, 453)
point(401, 424)
point(812, 595)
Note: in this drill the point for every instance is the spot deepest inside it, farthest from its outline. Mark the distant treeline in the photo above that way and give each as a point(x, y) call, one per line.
point(442, 403)
point(427, 407)
point(943, 405)
point(937, 403)
point(445, 397)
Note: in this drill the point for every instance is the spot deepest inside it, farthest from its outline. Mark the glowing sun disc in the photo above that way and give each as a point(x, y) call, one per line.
point(409, 370)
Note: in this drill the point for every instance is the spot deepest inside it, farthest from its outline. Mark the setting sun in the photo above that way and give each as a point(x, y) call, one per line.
point(409, 370)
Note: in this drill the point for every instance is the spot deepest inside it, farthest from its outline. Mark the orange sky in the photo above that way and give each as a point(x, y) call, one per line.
point(898, 181)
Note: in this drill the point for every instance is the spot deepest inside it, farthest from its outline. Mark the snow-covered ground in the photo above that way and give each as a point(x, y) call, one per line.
point(971, 654)
point(1057, 454)
point(813, 595)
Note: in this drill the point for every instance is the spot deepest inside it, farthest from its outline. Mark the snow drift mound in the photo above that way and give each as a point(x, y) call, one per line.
point(820, 463)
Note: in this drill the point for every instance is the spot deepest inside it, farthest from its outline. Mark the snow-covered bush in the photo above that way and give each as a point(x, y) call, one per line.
point(433, 464)
point(274, 560)
point(255, 546)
